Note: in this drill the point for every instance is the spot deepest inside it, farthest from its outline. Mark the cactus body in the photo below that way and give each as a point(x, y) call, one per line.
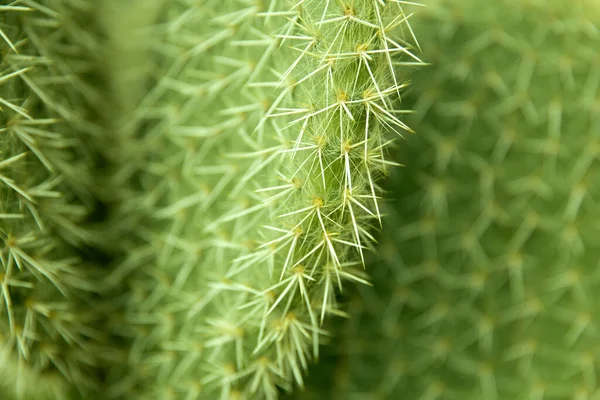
point(48, 342)
point(269, 123)
point(492, 255)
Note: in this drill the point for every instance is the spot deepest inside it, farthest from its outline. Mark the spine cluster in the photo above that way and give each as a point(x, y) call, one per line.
point(265, 133)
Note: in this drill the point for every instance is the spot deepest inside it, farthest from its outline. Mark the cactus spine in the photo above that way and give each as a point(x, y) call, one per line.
point(493, 249)
point(273, 120)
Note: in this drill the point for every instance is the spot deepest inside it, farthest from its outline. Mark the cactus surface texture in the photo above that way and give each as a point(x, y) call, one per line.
point(48, 120)
point(261, 142)
point(491, 288)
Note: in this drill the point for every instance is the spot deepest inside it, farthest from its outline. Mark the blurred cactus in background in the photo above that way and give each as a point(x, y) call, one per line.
point(487, 287)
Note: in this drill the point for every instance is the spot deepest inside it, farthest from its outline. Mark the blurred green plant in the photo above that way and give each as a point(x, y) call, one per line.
point(488, 284)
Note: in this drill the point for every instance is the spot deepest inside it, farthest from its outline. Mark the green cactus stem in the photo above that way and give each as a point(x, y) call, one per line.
point(265, 135)
point(48, 121)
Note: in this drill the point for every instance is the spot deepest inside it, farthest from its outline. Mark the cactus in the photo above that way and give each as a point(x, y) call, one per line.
point(262, 139)
point(53, 112)
point(492, 249)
